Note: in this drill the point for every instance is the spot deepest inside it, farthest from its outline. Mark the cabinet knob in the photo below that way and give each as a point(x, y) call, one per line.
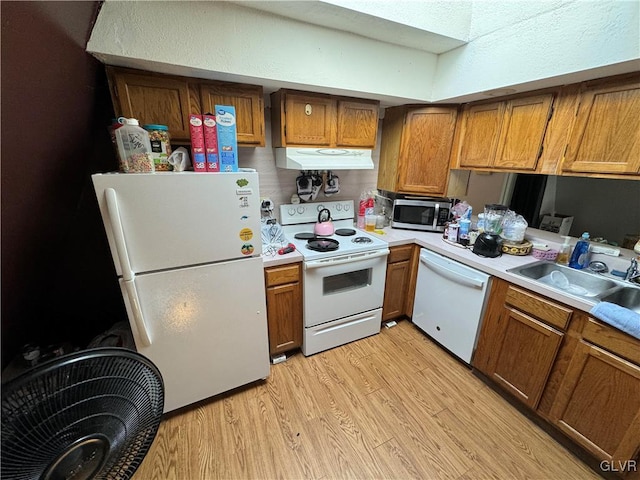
point(308, 109)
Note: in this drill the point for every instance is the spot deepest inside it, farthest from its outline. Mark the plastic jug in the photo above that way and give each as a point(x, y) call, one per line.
point(134, 147)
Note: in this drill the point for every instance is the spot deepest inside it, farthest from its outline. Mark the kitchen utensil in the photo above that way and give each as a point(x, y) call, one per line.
point(332, 186)
point(559, 279)
point(304, 187)
point(288, 249)
point(489, 243)
point(316, 184)
point(324, 227)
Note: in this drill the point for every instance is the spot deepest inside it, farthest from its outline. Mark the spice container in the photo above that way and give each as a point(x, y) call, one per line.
point(160, 146)
point(134, 147)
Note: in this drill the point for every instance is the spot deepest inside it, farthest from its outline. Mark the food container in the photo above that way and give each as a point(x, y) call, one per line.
point(160, 146)
point(523, 248)
point(134, 147)
point(544, 254)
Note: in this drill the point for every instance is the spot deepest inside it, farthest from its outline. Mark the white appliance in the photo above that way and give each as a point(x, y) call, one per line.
point(299, 158)
point(450, 302)
point(343, 288)
point(186, 247)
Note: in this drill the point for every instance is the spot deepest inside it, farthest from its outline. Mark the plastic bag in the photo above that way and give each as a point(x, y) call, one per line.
point(514, 227)
point(180, 160)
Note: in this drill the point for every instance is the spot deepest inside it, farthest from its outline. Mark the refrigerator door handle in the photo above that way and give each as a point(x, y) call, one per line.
point(138, 319)
point(127, 274)
point(118, 234)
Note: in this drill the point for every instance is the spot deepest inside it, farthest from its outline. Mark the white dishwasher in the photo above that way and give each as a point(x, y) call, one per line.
point(450, 302)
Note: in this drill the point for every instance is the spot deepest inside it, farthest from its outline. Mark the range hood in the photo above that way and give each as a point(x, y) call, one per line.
point(298, 158)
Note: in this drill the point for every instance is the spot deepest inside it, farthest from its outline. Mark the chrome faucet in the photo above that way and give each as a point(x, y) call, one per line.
point(633, 273)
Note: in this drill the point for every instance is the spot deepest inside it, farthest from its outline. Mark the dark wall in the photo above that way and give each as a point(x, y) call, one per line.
point(58, 281)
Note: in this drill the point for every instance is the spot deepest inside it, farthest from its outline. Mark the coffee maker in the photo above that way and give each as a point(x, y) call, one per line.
point(489, 242)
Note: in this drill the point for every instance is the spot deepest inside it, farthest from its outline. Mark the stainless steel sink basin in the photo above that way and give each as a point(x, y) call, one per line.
point(628, 297)
point(571, 281)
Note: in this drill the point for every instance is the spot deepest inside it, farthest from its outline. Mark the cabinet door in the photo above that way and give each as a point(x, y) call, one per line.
point(527, 350)
point(152, 99)
point(598, 403)
point(423, 167)
point(481, 131)
point(284, 316)
point(249, 105)
point(309, 120)
point(395, 292)
point(606, 137)
point(357, 124)
point(522, 132)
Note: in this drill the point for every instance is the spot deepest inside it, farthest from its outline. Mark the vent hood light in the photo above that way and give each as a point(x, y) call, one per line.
point(297, 158)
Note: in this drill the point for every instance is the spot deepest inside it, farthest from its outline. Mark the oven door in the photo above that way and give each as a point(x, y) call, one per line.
point(344, 285)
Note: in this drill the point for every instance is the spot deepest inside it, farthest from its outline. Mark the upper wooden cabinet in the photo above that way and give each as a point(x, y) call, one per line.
point(247, 99)
point(153, 99)
point(606, 134)
point(415, 149)
point(504, 135)
point(317, 120)
point(168, 100)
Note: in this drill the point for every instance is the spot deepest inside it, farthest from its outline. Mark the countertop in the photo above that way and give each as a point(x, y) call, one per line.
point(493, 266)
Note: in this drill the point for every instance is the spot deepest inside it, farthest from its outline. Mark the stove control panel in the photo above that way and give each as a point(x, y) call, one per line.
point(308, 212)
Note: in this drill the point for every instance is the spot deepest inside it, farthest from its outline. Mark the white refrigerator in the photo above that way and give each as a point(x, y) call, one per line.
point(186, 248)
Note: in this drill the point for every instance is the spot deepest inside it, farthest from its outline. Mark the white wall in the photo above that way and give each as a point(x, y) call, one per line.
point(550, 43)
point(575, 37)
point(484, 188)
point(225, 41)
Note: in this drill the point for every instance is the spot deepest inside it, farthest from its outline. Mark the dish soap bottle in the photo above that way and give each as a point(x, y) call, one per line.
point(565, 252)
point(580, 255)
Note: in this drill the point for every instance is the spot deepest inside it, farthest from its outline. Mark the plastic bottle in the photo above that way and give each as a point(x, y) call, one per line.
point(134, 147)
point(565, 252)
point(580, 255)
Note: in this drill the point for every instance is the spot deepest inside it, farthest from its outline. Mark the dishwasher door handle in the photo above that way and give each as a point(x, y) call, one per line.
point(451, 274)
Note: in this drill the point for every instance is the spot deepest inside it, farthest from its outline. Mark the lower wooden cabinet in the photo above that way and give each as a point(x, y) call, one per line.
point(578, 374)
point(517, 345)
point(598, 403)
point(284, 307)
point(400, 284)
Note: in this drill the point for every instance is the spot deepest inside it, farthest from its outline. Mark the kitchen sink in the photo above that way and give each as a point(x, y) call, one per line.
point(628, 297)
point(568, 280)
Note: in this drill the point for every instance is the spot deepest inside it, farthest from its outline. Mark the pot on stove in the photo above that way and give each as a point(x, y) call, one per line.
point(324, 227)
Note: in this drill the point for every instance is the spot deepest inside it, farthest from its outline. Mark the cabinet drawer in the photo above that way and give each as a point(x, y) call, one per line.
point(281, 275)
point(612, 339)
point(539, 307)
point(400, 254)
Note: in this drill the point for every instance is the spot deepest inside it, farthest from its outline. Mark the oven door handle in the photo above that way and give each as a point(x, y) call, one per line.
point(356, 257)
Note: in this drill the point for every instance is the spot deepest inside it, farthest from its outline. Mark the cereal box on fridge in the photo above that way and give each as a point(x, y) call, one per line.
point(211, 142)
point(227, 138)
point(197, 143)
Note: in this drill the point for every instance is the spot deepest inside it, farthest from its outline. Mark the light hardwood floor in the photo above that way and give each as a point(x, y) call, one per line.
point(392, 406)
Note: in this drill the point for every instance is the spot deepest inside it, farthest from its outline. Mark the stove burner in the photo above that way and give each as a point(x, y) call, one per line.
point(345, 232)
point(304, 236)
point(323, 244)
point(362, 240)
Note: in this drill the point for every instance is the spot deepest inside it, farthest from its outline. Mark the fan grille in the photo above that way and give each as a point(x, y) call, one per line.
point(90, 414)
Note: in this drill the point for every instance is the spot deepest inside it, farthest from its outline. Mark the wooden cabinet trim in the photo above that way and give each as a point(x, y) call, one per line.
point(612, 339)
point(282, 274)
point(400, 253)
point(539, 307)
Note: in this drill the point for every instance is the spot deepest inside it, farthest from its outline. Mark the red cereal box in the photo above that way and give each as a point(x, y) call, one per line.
point(211, 142)
point(197, 143)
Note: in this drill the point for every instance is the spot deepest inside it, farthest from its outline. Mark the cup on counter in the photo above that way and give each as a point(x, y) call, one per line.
point(370, 223)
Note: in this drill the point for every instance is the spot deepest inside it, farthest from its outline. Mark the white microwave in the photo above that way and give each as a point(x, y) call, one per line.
point(430, 215)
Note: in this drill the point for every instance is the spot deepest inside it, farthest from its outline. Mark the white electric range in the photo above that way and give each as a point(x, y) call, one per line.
point(344, 275)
